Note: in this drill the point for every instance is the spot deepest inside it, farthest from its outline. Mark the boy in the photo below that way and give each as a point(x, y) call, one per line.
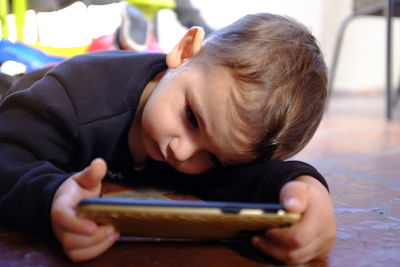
point(223, 113)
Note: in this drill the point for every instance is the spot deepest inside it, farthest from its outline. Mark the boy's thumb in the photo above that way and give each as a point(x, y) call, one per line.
point(294, 196)
point(91, 177)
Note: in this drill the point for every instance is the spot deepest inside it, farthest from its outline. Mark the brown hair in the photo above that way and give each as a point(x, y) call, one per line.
point(281, 78)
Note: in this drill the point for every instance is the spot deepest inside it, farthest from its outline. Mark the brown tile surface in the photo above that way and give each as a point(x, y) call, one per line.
point(360, 157)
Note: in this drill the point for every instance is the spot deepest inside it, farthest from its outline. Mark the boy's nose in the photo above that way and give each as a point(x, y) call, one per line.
point(182, 149)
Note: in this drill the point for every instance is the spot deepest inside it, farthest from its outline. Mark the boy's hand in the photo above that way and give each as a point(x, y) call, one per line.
point(313, 237)
point(81, 239)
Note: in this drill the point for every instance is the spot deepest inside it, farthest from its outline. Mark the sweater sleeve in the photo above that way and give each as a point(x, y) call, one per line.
point(37, 135)
point(80, 110)
point(260, 182)
point(256, 182)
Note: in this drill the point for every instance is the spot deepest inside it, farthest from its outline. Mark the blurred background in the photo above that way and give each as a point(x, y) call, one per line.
point(361, 65)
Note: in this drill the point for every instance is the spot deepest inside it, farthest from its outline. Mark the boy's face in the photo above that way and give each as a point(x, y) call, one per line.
point(184, 121)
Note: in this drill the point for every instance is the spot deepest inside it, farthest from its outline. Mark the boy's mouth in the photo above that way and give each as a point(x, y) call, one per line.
point(154, 151)
point(163, 155)
point(168, 157)
point(158, 153)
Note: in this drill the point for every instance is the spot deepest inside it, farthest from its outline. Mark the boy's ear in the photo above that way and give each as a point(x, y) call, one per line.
point(189, 46)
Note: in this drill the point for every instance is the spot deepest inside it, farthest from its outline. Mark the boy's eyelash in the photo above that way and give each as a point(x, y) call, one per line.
point(215, 160)
point(191, 117)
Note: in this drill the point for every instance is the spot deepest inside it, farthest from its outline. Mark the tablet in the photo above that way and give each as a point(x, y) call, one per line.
point(184, 218)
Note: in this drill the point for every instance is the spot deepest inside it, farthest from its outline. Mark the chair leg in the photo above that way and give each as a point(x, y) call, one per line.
point(336, 52)
point(363, 11)
point(389, 15)
point(396, 91)
point(396, 97)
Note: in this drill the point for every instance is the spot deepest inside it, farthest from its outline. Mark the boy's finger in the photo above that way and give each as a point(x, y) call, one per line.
point(73, 241)
point(294, 196)
point(283, 253)
point(87, 253)
point(291, 237)
point(66, 219)
point(91, 177)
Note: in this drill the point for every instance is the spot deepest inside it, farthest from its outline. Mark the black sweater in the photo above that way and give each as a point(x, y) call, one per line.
point(82, 109)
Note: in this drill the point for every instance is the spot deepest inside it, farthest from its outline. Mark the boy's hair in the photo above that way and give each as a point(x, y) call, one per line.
point(281, 78)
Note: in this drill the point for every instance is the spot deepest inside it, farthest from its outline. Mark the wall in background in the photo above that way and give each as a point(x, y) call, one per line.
point(361, 65)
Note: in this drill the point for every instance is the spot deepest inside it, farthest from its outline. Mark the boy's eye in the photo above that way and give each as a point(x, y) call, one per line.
point(191, 117)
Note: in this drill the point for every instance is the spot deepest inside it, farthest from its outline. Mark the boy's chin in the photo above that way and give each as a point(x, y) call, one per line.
point(189, 169)
point(184, 167)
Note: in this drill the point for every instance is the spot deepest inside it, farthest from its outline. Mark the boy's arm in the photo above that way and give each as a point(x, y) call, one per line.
point(49, 131)
point(36, 140)
point(37, 193)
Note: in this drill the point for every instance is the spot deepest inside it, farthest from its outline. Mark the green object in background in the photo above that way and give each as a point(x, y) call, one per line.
point(19, 8)
point(3, 17)
point(150, 7)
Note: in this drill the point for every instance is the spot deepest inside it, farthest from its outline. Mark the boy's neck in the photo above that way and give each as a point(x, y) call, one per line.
point(135, 132)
